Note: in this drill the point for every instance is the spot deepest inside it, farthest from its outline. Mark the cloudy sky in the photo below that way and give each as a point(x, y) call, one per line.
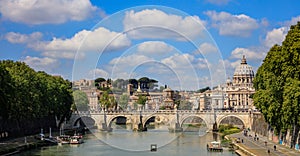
point(186, 45)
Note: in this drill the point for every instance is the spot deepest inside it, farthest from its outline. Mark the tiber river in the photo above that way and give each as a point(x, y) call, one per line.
point(122, 141)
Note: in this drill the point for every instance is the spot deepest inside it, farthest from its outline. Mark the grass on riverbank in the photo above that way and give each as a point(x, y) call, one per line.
point(228, 129)
point(197, 125)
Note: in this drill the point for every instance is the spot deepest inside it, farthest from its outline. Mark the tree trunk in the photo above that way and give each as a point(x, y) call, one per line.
point(294, 135)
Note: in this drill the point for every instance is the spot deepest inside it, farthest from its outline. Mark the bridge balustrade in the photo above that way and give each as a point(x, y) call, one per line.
point(115, 112)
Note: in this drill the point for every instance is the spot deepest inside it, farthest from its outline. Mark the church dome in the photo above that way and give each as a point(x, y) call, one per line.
point(244, 69)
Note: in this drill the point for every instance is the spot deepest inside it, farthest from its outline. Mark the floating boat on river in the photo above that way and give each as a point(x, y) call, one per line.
point(63, 139)
point(76, 139)
point(214, 146)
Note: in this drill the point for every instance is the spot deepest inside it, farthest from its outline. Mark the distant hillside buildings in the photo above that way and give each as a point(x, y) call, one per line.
point(234, 94)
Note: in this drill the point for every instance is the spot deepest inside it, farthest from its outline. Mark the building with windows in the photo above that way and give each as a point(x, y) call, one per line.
point(235, 94)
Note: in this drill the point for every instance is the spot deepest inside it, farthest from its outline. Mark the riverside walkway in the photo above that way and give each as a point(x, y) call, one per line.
point(260, 149)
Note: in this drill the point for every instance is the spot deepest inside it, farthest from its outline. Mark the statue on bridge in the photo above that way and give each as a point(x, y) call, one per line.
point(141, 127)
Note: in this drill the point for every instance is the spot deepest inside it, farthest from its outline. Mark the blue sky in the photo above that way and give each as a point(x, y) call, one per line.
point(184, 44)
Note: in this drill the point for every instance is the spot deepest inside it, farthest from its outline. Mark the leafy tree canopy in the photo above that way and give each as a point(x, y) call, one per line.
point(80, 100)
point(277, 83)
point(27, 94)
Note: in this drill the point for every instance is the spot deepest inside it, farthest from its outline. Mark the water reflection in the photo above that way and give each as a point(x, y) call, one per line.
point(124, 138)
point(122, 141)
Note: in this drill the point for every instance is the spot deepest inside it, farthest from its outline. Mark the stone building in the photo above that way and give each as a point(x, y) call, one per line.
point(235, 94)
point(87, 86)
point(83, 82)
point(168, 98)
point(93, 97)
point(240, 89)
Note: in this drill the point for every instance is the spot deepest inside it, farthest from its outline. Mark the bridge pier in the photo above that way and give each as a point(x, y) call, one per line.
point(215, 127)
point(176, 128)
point(172, 118)
point(106, 128)
point(141, 127)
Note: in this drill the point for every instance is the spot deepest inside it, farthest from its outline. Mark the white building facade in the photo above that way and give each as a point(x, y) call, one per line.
point(235, 94)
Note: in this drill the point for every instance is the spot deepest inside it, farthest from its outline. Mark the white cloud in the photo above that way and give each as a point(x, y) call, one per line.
point(41, 64)
point(293, 21)
point(206, 48)
point(13, 37)
point(125, 66)
point(43, 11)
point(63, 54)
point(187, 68)
point(96, 41)
point(264, 22)
point(218, 2)
point(154, 47)
point(158, 24)
point(102, 13)
point(174, 70)
point(185, 61)
point(131, 61)
point(238, 53)
point(95, 73)
point(230, 66)
point(232, 25)
point(275, 36)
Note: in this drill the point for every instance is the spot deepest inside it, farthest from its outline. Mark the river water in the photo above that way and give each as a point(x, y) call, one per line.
point(122, 141)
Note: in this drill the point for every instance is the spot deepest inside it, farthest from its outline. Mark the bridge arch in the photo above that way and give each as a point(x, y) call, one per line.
point(232, 116)
point(148, 117)
point(190, 116)
point(109, 122)
point(86, 120)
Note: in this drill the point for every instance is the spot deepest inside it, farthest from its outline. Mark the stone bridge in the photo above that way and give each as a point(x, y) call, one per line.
point(174, 119)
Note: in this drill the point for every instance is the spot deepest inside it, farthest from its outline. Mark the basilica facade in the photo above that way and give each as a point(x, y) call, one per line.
point(235, 94)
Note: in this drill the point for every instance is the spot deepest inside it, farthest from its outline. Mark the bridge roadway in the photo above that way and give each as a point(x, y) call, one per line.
point(173, 118)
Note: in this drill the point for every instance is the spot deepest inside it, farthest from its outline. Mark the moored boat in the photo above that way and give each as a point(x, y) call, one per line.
point(63, 139)
point(214, 146)
point(76, 139)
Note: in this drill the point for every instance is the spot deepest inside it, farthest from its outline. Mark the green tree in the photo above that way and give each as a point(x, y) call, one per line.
point(80, 101)
point(123, 101)
point(203, 90)
point(147, 83)
point(134, 82)
point(277, 84)
point(6, 93)
point(153, 83)
point(104, 100)
point(99, 80)
point(185, 105)
point(32, 95)
point(161, 88)
point(291, 107)
point(107, 101)
point(142, 100)
point(25, 105)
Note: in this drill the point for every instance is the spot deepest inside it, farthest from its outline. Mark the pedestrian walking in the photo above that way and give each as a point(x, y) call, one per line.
point(274, 147)
point(268, 151)
point(265, 143)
